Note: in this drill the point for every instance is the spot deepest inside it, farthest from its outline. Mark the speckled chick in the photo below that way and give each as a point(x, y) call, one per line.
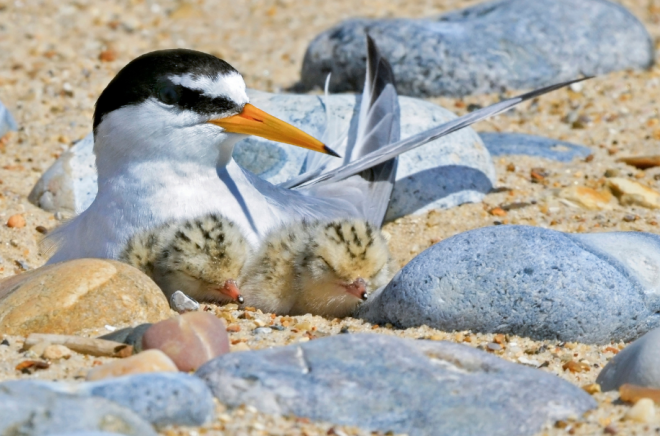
point(320, 267)
point(201, 257)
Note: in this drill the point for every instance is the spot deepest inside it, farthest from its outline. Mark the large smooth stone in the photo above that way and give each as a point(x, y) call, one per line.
point(529, 281)
point(384, 383)
point(80, 294)
point(487, 48)
point(7, 122)
point(444, 173)
point(33, 410)
point(503, 144)
point(160, 398)
point(637, 364)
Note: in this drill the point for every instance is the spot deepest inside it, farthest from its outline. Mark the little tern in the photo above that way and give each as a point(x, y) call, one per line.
point(164, 132)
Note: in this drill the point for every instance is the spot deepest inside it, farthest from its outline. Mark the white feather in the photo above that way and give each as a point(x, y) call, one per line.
point(229, 85)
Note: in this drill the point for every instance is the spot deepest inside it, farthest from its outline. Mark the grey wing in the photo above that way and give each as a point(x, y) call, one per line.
point(386, 153)
point(378, 125)
point(296, 205)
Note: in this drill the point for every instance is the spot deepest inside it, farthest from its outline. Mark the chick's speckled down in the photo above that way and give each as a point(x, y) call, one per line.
point(322, 267)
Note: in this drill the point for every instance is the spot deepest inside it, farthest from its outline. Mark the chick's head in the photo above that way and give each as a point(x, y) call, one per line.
point(346, 257)
point(206, 257)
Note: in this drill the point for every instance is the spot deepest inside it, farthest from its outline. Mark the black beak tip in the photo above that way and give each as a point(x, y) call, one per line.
point(330, 151)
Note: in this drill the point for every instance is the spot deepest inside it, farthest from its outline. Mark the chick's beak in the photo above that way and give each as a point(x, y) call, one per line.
point(230, 289)
point(358, 288)
point(253, 121)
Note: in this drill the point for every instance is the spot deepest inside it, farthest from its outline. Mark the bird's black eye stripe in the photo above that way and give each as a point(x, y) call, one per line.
point(195, 100)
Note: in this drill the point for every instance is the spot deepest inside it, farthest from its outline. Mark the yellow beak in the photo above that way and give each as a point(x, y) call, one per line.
point(253, 121)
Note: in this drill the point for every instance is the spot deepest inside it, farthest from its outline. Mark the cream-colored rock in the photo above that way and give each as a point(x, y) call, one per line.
point(146, 361)
point(642, 411)
point(587, 198)
point(630, 192)
point(56, 352)
point(72, 296)
point(39, 348)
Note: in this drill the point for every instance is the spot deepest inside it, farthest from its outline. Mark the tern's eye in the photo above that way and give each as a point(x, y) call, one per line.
point(169, 94)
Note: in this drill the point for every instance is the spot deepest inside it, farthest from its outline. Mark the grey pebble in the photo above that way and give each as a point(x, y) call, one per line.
point(384, 383)
point(501, 144)
point(637, 364)
point(182, 303)
point(129, 336)
point(487, 48)
point(160, 398)
point(492, 346)
point(30, 409)
point(263, 331)
point(529, 281)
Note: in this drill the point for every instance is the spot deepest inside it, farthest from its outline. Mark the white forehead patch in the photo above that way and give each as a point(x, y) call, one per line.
point(231, 86)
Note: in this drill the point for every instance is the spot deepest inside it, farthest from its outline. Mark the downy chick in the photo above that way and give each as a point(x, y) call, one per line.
point(202, 257)
point(320, 267)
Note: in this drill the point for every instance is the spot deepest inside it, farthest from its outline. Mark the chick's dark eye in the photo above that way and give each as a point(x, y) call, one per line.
point(169, 94)
point(326, 263)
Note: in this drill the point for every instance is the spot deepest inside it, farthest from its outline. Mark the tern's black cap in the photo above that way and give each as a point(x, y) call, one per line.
point(146, 76)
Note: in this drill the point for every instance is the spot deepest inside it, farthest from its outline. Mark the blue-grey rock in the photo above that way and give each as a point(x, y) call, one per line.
point(490, 47)
point(529, 281)
point(499, 144)
point(29, 409)
point(384, 383)
point(444, 173)
point(130, 336)
point(85, 433)
point(161, 398)
point(637, 364)
point(7, 122)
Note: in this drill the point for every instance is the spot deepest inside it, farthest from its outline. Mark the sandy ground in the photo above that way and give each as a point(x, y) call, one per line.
point(58, 56)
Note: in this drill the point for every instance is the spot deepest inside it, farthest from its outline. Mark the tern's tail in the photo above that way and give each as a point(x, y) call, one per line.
point(368, 190)
point(386, 153)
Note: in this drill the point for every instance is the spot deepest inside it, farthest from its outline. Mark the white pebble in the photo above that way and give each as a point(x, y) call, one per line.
point(576, 87)
point(642, 411)
point(182, 303)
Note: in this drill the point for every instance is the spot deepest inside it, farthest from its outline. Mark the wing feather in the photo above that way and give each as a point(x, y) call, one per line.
point(386, 153)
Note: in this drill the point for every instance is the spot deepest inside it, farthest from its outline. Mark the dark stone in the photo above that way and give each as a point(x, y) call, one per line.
point(385, 383)
point(487, 48)
point(129, 335)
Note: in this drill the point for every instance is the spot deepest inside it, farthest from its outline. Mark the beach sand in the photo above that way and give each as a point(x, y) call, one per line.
point(58, 57)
